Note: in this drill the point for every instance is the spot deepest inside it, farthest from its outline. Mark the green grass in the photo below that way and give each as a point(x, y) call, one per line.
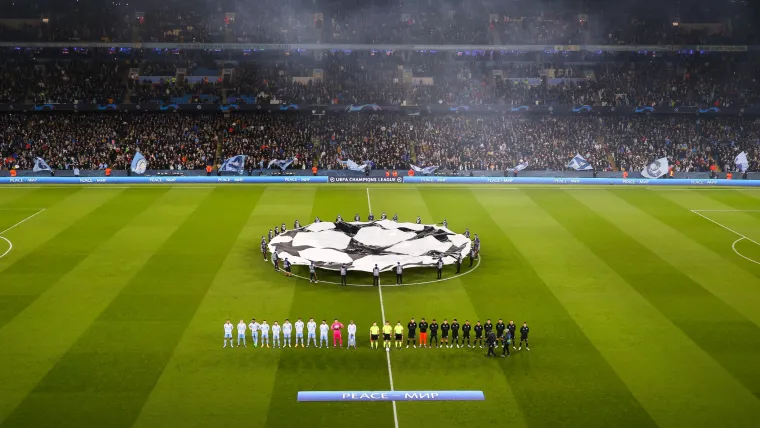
point(642, 314)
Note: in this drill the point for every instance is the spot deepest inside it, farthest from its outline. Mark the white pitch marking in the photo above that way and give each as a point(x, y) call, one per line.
point(10, 244)
point(733, 246)
point(382, 312)
point(22, 221)
point(725, 211)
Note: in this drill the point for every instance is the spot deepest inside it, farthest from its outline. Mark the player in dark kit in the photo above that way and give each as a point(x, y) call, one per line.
point(466, 332)
point(472, 255)
point(512, 327)
point(411, 329)
point(524, 336)
point(488, 327)
point(478, 335)
point(434, 333)
point(263, 248)
point(445, 327)
point(500, 327)
point(439, 267)
point(491, 342)
point(423, 333)
point(454, 333)
point(371, 217)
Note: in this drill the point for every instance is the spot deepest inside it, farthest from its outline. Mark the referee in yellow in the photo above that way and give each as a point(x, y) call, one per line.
point(374, 333)
point(387, 330)
point(399, 332)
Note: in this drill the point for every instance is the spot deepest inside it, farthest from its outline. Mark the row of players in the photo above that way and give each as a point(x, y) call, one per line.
point(296, 225)
point(504, 334)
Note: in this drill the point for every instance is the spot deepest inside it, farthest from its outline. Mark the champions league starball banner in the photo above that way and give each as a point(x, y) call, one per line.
point(362, 246)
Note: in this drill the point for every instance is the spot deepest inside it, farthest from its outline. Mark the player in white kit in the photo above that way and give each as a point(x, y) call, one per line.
point(241, 333)
point(264, 329)
point(287, 327)
point(311, 326)
point(323, 328)
point(276, 335)
point(254, 327)
point(351, 335)
point(299, 332)
point(228, 334)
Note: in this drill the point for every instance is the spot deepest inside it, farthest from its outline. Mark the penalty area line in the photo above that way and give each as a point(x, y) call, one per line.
point(10, 244)
point(741, 237)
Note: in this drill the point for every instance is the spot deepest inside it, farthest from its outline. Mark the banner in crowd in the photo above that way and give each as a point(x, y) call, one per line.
point(656, 169)
point(742, 164)
point(425, 171)
point(139, 164)
point(555, 110)
point(580, 164)
point(280, 163)
point(40, 165)
point(234, 164)
point(353, 166)
point(521, 166)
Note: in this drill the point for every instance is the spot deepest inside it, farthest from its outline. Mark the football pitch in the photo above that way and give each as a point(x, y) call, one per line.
point(643, 305)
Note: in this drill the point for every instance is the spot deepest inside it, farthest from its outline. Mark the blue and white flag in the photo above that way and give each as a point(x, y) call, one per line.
point(521, 166)
point(656, 169)
point(139, 164)
point(580, 164)
point(741, 162)
point(425, 171)
point(353, 166)
point(41, 165)
point(282, 164)
point(234, 164)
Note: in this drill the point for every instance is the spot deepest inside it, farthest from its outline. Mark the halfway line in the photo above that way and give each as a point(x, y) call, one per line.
point(382, 312)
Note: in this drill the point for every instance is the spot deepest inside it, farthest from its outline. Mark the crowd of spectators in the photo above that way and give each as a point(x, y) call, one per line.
point(711, 81)
point(653, 83)
point(330, 21)
point(453, 142)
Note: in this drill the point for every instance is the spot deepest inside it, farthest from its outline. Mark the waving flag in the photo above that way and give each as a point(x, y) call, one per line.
point(741, 162)
point(41, 165)
point(580, 164)
point(656, 169)
point(139, 164)
point(235, 164)
point(282, 164)
point(521, 166)
point(425, 171)
point(353, 166)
